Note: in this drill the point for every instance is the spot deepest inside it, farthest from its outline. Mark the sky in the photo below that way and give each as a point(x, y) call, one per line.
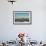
point(22, 15)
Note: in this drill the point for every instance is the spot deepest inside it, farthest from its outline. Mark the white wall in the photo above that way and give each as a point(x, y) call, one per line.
point(9, 31)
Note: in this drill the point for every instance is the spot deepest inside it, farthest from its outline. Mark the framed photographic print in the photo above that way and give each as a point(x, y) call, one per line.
point(22, 17)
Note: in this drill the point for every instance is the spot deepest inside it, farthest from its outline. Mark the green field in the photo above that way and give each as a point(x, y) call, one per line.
point(22, 20)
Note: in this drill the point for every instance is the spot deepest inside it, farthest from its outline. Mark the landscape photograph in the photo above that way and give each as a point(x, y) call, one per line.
point(22, 17)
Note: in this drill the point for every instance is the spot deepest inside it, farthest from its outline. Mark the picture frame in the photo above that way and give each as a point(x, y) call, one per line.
point(22, 17)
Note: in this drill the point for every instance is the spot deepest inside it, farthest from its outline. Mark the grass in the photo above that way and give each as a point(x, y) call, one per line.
point(22, 20)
